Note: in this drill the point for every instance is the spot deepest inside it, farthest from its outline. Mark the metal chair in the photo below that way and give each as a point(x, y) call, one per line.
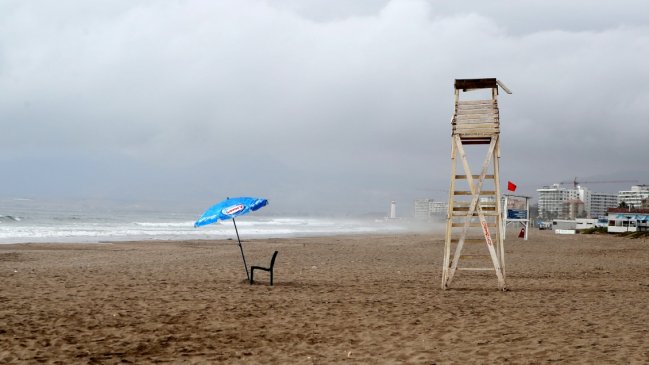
point(269, 269)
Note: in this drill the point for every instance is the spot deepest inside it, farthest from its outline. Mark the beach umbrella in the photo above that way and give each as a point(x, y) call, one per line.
point(229, 209)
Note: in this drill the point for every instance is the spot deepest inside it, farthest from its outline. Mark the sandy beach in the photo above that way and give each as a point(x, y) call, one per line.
point(354, 299)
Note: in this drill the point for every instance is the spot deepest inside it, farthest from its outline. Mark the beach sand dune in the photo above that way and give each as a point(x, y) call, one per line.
point(355, 299)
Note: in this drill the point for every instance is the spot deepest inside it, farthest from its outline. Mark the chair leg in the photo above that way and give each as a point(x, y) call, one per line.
point(252, 273)
point(271, 277)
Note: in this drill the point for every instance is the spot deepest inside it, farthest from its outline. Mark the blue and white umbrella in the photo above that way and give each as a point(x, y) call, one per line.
point(229, 209)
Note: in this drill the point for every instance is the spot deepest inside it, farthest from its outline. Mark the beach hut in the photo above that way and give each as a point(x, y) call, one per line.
point(622, 220)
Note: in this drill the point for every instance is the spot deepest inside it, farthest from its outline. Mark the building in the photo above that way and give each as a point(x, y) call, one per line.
point(574, 208)
point(600, 202)
point(628, 220)
point(422, 208)
point(552, 201)
point(571, 203)
point(633, 198)
point(585, 196)
point(439, 209)
point(585, 223)
point(428, 208)
point(564, 226)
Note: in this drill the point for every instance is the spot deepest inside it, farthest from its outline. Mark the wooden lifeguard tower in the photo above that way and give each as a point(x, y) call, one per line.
point(474, 229)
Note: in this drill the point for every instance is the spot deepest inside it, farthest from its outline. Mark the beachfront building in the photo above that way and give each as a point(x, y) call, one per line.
point(627, 220)
point(422, 208)
point(633, 198)
point(552, 201)
point(585, 196)
point(586, 223)
point(574, 208)
point(429, 208)
point(570, 203)
point(439, 209)
point(600, 202)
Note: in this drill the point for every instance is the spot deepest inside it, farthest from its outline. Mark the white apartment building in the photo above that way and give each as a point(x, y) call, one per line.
point(422, 208)
point(553, 199)
point(439, 209)
point(427, 208)
point(634, 197)
point(585, 196)
point(556, 202)
point(600, 202)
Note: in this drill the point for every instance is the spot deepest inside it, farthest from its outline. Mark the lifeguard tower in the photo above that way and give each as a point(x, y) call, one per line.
point(517, 213)
point(474, 229)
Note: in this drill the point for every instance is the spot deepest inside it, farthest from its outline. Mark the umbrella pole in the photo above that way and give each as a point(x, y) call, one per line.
point(241, 248)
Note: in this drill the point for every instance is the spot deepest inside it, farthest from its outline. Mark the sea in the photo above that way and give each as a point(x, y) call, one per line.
point(26, 221)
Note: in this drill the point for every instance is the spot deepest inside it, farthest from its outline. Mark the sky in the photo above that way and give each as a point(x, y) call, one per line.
point(321, 106)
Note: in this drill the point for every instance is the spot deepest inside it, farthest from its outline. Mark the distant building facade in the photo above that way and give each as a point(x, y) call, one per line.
point(633, 198)
point(557, 202)
point(422, 208)
point(573, 209)
point(553, 199)
point(628, 220)
point(600, 202)
point(429, 208)
point(439, 209)
point(585, 196)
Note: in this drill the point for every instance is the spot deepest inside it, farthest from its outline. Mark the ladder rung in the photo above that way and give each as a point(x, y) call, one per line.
point(471, 241)
point(477, 110)
point(475, 214)
point(470, 256)
point(465, 192)
point(466, 209)
point(474, 176)
point(475, 123)
point(477, 102)
point(476, 268)
point(464, 203)
point(473, 224)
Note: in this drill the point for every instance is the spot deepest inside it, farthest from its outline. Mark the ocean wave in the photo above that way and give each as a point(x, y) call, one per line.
point(9, 218)
point(151, 230)
point(164, 224)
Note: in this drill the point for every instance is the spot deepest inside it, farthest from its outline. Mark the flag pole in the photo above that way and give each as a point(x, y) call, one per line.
point(241, 248)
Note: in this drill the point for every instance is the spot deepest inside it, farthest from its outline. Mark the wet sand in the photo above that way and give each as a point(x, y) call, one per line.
point(357, 299)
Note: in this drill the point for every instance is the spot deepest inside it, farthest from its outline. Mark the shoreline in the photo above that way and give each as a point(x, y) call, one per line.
point(360, 298)
point(176, 231)
point(215, 240)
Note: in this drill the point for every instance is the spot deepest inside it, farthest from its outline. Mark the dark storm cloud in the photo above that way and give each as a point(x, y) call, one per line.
point(345, 106)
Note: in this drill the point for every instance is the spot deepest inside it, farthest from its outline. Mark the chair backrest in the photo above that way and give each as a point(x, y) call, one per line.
point(272, 261)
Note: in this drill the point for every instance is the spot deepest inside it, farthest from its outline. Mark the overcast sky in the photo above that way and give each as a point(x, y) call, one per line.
point(318, 105)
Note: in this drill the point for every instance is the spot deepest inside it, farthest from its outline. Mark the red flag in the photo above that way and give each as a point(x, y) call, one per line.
point(511, 186)
point(521, 234)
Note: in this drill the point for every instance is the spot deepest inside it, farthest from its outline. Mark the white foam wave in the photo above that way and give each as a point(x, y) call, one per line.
point(165, 224)
point(144, 230)
point(9, 218)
